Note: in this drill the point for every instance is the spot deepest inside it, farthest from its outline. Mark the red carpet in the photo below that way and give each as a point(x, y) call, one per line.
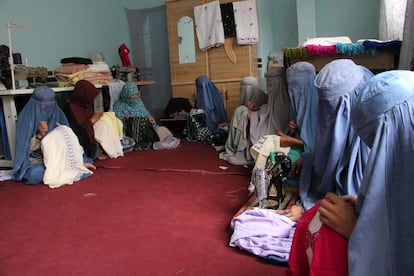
point(148, 213)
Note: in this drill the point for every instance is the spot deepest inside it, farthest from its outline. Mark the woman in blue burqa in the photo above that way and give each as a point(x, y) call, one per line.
point(339, 156)
point(38, 118)
point(209, 99)
point(375, 230)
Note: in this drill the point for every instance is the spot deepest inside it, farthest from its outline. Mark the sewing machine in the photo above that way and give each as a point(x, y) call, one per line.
point(277, 168)
point(127, 74)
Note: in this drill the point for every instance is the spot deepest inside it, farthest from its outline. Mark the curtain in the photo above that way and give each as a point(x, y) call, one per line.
point(149, 49)
point(391, 19)
point(407, 47)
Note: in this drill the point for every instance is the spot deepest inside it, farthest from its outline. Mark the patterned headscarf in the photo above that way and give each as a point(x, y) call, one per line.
point(127, 106)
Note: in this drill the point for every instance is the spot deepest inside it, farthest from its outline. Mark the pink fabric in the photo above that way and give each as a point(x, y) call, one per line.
point(318, 50)
point(317, 250)
point(71, 68)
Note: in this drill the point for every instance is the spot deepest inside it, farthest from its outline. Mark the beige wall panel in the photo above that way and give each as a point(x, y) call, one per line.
point(185, 91)
point(182, 73)
point(237, 65)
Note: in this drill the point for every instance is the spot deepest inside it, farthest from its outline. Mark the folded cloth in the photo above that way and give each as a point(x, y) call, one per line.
point(77, 60)
point(326, 41)
point(263, 233)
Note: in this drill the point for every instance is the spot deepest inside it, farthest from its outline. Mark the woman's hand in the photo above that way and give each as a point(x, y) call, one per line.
point(42, 129)
point(337, 213)
point(252, 106)
point(96, 116)
point(292, 127)
point(297, 167)
point(124, 119)
point(294, 213)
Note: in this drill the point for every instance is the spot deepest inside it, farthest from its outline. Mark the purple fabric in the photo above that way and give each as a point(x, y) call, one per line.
point(262, 232)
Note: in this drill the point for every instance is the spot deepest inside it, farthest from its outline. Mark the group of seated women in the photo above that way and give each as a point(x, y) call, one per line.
point(58, 146)
point(354, 169)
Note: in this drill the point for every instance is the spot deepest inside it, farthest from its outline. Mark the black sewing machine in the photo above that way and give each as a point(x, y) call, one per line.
point(278, 166)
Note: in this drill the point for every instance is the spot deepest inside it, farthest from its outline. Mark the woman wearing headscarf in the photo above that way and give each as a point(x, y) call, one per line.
point(38, 119)
point(98, 132)
point(237, 146)
point(339, 155)
point(304, 103)
point(267, 119)
point(139, 123)
point(209, 99)
point(273, 116)
point(378, 223)
point(300, 134)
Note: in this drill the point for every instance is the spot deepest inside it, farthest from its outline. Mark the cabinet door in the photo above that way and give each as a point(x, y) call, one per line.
point(241, 63)
point(183, 73)
point(232, 97)
point(185, 91)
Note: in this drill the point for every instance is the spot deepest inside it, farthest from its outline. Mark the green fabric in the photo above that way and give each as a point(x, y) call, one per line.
point(142, 131)
point(294, 154)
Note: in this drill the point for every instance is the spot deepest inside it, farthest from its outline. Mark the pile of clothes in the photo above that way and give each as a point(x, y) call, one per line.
point(74, 69)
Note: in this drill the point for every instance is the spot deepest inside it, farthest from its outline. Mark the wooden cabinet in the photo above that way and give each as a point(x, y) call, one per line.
point(225, 65)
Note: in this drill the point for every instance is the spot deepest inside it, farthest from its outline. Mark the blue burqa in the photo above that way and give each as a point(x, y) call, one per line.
point(209, 99)
point(304, 100)
point(338, 159)
point(42, 106)
point(382, 115)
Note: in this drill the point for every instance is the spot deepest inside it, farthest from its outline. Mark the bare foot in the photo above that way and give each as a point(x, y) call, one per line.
point(103, 156)
point(89, 166)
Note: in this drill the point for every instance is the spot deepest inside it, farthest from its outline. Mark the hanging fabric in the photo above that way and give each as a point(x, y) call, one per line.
point(209, 25)
point(247, 24)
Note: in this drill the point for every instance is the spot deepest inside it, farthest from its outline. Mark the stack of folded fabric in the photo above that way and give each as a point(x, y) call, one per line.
point(74, 69)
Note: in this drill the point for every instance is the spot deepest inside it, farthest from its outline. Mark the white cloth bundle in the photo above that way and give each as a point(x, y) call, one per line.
point(63, 157)
point(108, 133)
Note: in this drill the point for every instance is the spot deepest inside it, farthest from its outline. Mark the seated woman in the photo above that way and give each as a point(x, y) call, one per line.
point(370, 235)
point(301, 130)
point(139, 123)
point(209, 99)
point(41, 124)
point(339, 156)
point(99, 132)
point(266, 119)
point(237, 146)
